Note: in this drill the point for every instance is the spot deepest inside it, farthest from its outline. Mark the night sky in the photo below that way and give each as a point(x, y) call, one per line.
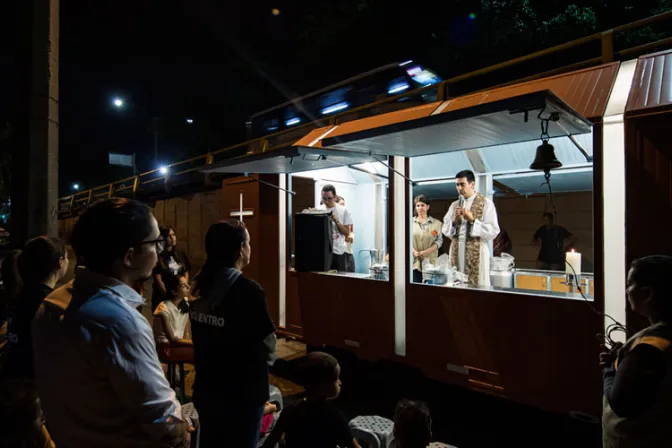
point(213, 61)
point(218, 62)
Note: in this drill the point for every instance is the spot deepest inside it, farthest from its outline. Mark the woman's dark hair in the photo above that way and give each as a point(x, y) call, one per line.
point(107, 229)
point(164, 231)
point(38, 259)
point(412, 424)
point(172, 284)
point(425, 200)
point(654, 272)
point(317, 370)
point(223, 241)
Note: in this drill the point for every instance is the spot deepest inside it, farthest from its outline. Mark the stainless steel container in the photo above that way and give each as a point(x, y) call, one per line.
point(437, 278)
point(502, 279)
point(379, 272)
point(502, 272)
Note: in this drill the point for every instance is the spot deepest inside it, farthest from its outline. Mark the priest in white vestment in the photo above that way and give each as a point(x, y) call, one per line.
point(471, 222)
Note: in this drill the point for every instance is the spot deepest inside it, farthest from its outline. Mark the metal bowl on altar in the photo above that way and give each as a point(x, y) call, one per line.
point(437, 277)
point(379, 271)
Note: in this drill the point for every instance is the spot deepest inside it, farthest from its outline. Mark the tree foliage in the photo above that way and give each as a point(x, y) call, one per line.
point(452, 42)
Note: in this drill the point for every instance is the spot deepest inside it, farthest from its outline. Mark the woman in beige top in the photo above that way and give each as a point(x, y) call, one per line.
point(427, 237)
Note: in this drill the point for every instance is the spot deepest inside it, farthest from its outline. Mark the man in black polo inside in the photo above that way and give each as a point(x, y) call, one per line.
point(553, 241)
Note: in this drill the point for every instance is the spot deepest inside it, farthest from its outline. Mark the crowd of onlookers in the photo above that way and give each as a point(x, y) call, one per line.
point(82, 367)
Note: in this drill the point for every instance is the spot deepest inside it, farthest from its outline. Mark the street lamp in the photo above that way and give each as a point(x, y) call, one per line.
point(75, 187)
point(118, 102)
point(163, 170)
point(190, 120)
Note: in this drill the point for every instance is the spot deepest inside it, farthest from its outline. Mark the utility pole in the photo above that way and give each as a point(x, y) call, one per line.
point(35, 149)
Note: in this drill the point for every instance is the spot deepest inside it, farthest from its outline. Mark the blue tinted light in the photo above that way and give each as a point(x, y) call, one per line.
point(398, 87)
point(335, 108)
point(292, 121)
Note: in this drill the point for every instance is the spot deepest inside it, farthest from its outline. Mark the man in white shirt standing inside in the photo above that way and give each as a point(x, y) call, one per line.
point(340, 229)
point(470, 223)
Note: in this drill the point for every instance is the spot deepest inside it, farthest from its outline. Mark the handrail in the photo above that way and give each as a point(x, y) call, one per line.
point(528, 57)
point(643, 22)
point(442, 89)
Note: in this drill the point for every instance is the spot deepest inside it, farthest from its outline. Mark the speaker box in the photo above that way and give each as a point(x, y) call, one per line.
point(314, 242)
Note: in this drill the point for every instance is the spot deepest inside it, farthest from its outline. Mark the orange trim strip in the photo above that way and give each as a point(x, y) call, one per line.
point(481, 383)
point(482, 370)
point(661, 344)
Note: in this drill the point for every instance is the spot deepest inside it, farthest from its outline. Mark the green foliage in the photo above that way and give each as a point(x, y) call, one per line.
point(508, 21)
point(575, 20)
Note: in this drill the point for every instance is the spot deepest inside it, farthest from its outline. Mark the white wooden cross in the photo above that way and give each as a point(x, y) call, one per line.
point(239, 214)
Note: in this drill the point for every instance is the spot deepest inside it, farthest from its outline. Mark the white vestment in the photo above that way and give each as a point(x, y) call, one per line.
point(486, 229)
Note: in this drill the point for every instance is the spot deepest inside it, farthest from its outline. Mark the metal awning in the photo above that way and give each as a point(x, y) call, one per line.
point(506, 121)
point(289, 160)
point(652, 85)
point(314, 138)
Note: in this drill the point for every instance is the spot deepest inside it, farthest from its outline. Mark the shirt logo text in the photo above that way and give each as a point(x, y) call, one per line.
point(207, 319)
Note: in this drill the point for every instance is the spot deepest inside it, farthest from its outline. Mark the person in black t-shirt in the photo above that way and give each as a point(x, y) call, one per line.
point(32, 274)
point(172, 263)
point(553, 241)
point(314, 422)
point(234, 341)
point(39, 266)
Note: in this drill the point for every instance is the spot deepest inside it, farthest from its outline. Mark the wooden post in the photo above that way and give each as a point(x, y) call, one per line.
point(608, 46)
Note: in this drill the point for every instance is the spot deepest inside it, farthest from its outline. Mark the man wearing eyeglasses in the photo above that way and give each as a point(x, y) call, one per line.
point(340, 229)
point(99, 378)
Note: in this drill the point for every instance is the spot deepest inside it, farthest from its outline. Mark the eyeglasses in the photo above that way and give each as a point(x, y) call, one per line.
point(160, 244)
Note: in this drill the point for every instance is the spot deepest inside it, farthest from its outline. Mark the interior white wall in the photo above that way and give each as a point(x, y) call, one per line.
point(363, 201)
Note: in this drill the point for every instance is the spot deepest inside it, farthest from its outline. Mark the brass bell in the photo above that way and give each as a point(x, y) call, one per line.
point(545, 159)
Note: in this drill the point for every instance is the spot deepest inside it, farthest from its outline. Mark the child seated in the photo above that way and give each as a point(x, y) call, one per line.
point(412, 424)
point(171, 317)
point(314, 422)
point(269, 416)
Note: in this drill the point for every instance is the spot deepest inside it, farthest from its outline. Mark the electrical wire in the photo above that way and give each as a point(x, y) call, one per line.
point(611, 328)
point(547, 175)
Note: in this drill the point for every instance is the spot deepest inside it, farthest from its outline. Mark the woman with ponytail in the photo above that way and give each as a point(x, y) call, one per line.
point(32, 277)
point(230, 320)
point(28, 276)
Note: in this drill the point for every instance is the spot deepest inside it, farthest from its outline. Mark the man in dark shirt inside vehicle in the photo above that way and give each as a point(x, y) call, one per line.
point(553, 240)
